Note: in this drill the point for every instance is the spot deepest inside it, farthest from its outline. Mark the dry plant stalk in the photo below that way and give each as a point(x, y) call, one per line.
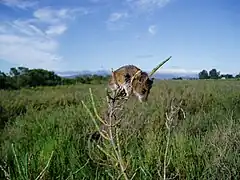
point(171, 119)
point(109, 129)
point(21, 169)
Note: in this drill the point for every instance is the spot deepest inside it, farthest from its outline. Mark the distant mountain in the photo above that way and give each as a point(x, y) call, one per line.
point(175, 75)
point(73, 74)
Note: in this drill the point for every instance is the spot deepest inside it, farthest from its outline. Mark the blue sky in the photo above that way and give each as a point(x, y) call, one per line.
point(75, 35)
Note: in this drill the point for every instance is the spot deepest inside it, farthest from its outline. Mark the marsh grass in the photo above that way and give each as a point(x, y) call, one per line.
point(52, 122)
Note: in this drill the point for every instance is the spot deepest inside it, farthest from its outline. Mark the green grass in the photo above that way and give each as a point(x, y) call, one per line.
point(204, 145)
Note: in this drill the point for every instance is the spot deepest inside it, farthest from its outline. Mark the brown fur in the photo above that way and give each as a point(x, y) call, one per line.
point(140, 86)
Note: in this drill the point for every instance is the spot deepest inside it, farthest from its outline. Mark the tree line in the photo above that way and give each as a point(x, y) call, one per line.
point(214, 74)
point(22, 77)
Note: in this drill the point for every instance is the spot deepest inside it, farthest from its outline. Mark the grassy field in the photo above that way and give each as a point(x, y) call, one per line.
point(44, 131)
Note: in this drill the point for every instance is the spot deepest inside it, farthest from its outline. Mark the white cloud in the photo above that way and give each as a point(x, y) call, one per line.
point(28, 52)
point(147, 5)
point(117, 16)
point(32, 42)
point(56, 29)
point(51, 15)
point(152, 29)
point(28, 48)
point(134, 9)
point(23, 27)
point(116, 21)
point(22, 4)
